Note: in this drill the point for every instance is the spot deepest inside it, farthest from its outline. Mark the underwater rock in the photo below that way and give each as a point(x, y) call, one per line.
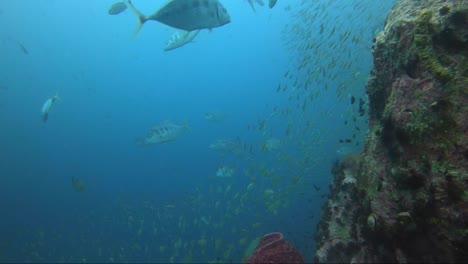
point(409, 201)
point(273, 248)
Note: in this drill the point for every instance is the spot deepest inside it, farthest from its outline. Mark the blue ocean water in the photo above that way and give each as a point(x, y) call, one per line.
point(163, 202)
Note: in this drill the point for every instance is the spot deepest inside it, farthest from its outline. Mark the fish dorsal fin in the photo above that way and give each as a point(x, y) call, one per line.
point(161, 8)
point(166, 3)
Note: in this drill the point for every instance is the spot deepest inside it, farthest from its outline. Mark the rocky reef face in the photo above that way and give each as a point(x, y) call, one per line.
point(405, 199)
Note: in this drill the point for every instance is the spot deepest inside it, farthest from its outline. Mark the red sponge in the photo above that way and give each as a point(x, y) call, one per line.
point(273, 248)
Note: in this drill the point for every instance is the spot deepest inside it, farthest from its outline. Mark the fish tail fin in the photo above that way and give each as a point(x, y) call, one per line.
point(141, 18)
point(186, 126)
point(57, 97)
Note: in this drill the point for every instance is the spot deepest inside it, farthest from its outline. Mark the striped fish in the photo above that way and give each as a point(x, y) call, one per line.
point(162, 133)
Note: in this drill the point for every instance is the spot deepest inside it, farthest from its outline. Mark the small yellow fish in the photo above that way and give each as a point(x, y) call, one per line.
point(256, 224)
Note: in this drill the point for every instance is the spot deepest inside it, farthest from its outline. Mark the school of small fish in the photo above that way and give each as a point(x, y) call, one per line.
point(224, 172)
point(324, 47)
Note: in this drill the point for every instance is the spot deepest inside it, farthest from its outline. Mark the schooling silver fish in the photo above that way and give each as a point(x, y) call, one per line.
point(187, 15)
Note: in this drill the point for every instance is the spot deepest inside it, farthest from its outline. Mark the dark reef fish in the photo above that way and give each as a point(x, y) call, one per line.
point(23, 48)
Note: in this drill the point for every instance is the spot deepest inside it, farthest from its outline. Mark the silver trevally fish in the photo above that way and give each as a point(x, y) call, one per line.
point(187, 15)
point(180, 38)
point(162, 133)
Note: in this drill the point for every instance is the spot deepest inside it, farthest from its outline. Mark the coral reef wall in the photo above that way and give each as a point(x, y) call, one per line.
point(404, 199)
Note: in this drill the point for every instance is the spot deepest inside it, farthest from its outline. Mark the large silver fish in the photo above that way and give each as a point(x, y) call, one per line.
point(187, 15)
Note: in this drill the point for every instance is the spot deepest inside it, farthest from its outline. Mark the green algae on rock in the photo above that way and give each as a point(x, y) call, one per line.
point(409, 202)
